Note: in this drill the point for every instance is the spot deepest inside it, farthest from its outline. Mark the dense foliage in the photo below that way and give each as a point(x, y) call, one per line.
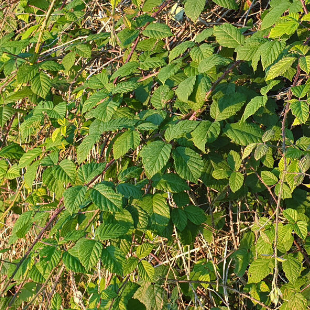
point(154, 155)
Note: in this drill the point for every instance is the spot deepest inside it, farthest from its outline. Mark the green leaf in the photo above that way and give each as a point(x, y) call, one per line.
point(180, 129)
point(279, 68)
point(28, 157)
point(300, 229)
point(89, 252)
point(269, 178)
point(193, 8)
point(274, 14)
point(304, 63)
point(6, 113)
point(72, 263)
point(170, 183)
point(51, 66)
point(13, 172)
point(185, 88)
point(195, 214)
point(94, 99)
point(89, 171)
point(83, 50)
point(130, 139)
point(234, 160)
point(261, 150)
point(41, 84)
point(161, 96)
point(253, 106)
point(180, 49)
point(105, 198)
point(243, 134)
point(155, 156)
point(12, 151)
point(74, 198)
point(188, 164)
point(86, 146)
point(228, 4)
point(167, 72)
point(300, 110)
point(297, 302)
point(211, 62)
point(125, 87)
point(179, 218)
point(228, 36)
point(144, 250)
point(113, 259)
point(161, 210)
point(146, 271)
point(157, 31)
point(125, 70)
point(129, 190)
point(65, 171)
point(259, 270)
point(56, 302)
point(292, 268)
point(26, 73)
point(68, 61)
point(108, 231)
point(205, 133)
point(286, 191)
point(236, 181)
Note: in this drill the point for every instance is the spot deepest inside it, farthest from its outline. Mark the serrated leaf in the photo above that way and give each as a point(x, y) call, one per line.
point(125, 87)
point(279, 68)
point(155, 156)
point(259, 269)
point(89, 252)
point(12, 151)
point(195, 214)
point(112, 259)
point(6, 113)
point(304, 63)
point(86, 146)
point(146, 271)
point(185, 88)
point(252, 107)
point(108, 231)
point(129, 190)
point(228, 36)
point(125, 70)
point(269, 178)
point(144, 250)
point(188, 164)
point(157, 31)
point(94, 99)
point(51, 66)
point(89, 171)
point(180, 49)
point(179, 218)
point(300, 110)
point(260, 151)
point(243, 134)
point(292, 268)
point(236, 181)
point(130, 139)
point(26, 73)
point(193, 8)
point(161, 96)
point(72, 263)
point(274, 14)
point(105, 198)
point(41, 84)
point(211, 62)
point(168, 71)
point(205, 133)
point(170, 183)
point(65, 171)
point(83, 50)
point(180, 129)
point(301, 229)
point(74, 198)
point(28, 157)
point(234, 160)
point(228, 4)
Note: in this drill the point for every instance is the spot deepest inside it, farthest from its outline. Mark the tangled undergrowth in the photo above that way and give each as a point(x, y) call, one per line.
point(154, 155)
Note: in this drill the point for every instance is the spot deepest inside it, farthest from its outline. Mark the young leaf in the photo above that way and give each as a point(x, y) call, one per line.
point(252, 107)
point(157, 31)
point(89, 252)
point(279, 68)
point(236, 181)
point(108, 231)
point(228, 36)
point(259, 269)
point(292, 268)
point(300, 110)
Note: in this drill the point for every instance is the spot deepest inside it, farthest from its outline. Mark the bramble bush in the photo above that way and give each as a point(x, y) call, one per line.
point(154, 155)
